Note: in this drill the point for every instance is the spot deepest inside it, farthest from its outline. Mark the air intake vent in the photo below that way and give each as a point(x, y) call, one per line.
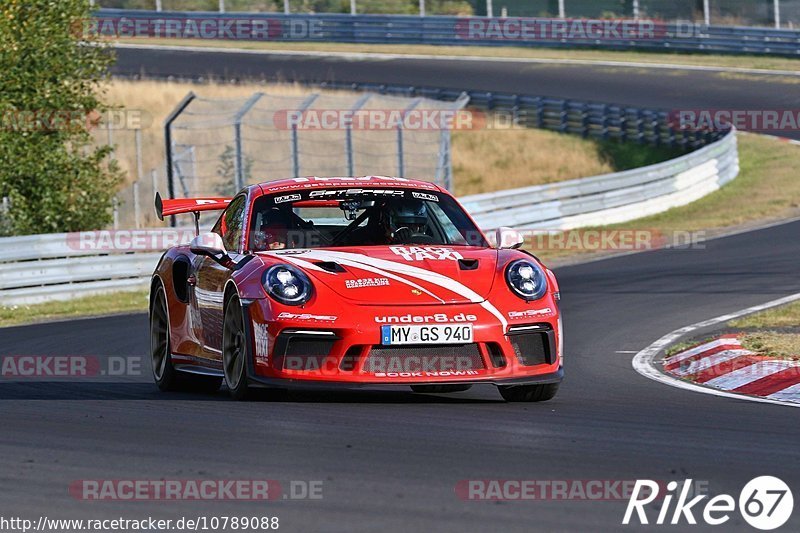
point(534, 348)
point(468, 264)
point(330, 266)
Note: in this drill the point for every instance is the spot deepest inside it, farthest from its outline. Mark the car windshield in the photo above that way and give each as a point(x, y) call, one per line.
point(359, 217)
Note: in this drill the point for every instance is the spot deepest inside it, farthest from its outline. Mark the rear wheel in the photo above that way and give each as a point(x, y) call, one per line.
point(164, 373)
point(166, 376)
point(439, 389)
point(234, 352)
point(528, 393)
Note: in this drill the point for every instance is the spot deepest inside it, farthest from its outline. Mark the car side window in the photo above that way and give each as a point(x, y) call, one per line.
point(230, 224)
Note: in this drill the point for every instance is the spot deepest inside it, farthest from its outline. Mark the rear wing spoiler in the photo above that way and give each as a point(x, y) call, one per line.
point(177, 206)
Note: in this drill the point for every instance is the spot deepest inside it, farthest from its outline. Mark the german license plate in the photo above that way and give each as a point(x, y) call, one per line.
point(427, 334)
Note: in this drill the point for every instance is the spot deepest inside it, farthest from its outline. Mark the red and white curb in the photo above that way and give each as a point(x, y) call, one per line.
point(648, 363)
point(725, 365)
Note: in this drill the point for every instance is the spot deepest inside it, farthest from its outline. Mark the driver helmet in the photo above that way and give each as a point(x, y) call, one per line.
point(273, 231)
point(412, 214)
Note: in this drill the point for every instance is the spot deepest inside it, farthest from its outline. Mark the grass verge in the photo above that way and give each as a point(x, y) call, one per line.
point(766, 190)
point(710, 60)
point(105, 304)
point(773, 343)
point(779, 317)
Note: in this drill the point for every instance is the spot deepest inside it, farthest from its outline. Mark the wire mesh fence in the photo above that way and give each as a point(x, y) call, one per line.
point(218, 146)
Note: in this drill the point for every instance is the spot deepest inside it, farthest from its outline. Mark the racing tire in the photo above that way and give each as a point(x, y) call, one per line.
point(439, 389)
point(166, 376)
point(234, 350)
point(528, 393)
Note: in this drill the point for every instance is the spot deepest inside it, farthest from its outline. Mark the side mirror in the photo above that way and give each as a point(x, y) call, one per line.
point(507, 239)
point(211, 245)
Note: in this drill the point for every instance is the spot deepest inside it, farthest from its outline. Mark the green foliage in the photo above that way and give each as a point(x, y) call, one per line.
point(628, 155)
point(56, 179)
point(226, 170)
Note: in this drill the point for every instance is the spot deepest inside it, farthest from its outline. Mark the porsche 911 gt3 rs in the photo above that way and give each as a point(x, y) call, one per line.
point(354, 281)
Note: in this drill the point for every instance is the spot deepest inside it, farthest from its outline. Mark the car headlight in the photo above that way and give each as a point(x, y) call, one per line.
point(526, 279)
point(288, 285)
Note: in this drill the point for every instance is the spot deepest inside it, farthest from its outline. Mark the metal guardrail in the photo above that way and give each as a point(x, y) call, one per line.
point(610, 198)
point(56, 267)
point(445, 30)
point(41, 268)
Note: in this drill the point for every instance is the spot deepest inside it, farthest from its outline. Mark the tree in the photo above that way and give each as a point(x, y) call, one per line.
point(52, 74)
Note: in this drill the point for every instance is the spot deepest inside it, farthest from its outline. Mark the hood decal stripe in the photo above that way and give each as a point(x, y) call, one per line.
point(380, 265)
point(368, 268)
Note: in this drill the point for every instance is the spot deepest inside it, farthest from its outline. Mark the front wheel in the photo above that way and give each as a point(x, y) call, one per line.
point(528, 393)
point(234, 350)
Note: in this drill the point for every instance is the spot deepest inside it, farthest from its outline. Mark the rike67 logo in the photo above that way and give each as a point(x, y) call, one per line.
point(765, 503)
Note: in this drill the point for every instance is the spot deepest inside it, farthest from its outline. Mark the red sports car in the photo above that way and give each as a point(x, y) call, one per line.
point(362, 281)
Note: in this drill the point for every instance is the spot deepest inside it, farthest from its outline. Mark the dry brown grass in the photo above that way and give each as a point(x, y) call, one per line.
point(489, 160)
point(155, 100)
point(773, 343)
point(483, 160)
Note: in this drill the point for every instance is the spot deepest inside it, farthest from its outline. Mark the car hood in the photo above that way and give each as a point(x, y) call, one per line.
point(400, 275)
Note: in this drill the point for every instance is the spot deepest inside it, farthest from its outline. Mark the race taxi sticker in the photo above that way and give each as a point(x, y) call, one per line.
point(420, 253)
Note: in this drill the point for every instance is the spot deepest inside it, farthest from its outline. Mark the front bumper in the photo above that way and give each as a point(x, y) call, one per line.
point(301, 351)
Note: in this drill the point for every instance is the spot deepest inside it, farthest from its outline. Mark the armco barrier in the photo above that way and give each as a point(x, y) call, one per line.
point(51, 267)
point(443, 30)
point(41, 268)
point(610, 198)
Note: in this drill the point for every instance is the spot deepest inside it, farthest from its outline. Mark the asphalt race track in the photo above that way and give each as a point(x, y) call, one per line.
point(668, 89)
point(390, 460)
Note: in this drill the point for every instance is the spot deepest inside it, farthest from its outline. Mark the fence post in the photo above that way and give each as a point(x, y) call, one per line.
point(286, 9)
point(489, 9)
point(158, 5)
point(776, 11)
point(400, 159)
point(295, 149)
point(237, 132)
point(348, 133)
point(137, 140)
point(421, 8)
point(110, 134)
point(154, 178)
point(222, 6)
point(707, 12)
point(137, 206)
point(170, 143)
point(116, 213)
point(562, 10)
point(635, 9)
point(352, 7)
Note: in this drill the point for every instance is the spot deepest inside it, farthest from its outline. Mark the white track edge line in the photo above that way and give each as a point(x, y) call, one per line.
point(644, 362)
